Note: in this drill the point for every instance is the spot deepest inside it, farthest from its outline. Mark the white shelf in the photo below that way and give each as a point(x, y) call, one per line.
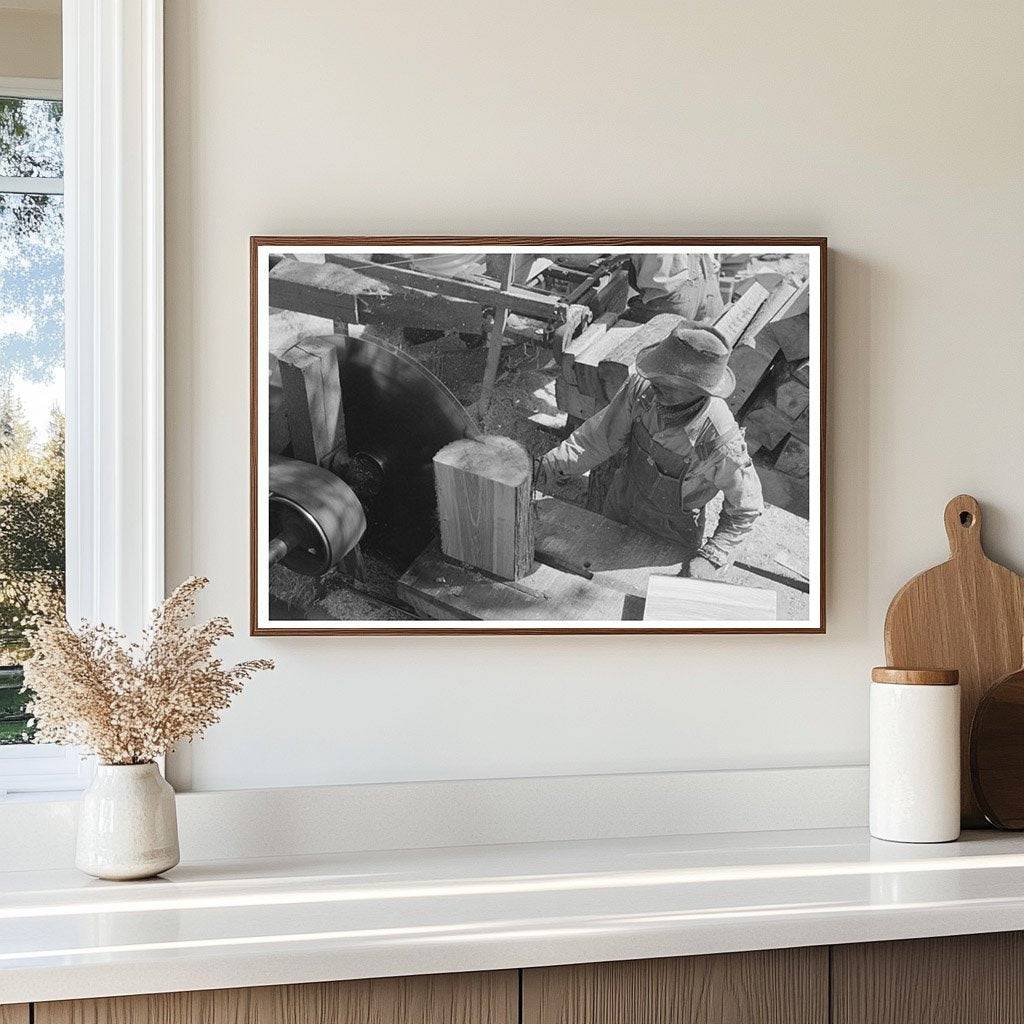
point(351, 915)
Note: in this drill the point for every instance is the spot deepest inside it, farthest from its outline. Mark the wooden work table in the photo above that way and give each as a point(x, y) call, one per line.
point(621, 558)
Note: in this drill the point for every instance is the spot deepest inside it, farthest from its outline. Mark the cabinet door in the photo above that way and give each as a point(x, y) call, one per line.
point(961, 979)
point(778, 986)
point(14, 1013)
point(490, 998)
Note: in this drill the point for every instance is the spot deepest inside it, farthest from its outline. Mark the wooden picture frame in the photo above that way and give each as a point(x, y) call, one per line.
point(315, 286)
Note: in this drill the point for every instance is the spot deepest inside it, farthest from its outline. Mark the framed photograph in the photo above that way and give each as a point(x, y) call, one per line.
point(537, 435)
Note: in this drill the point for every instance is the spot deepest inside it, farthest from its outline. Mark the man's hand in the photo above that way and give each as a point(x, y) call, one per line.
point(544, 474)
point(702, 569)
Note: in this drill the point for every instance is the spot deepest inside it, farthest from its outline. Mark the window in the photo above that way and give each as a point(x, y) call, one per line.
point(32, 561)
point(98, 160)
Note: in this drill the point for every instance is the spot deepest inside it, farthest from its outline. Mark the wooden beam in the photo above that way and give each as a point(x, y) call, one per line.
point(733, 321)
point(494, 321)
point(516, 298)
point(778, 298)
point(575, 347)
point(342, 295)
point(749, 364)
point(311, 386)
point(620, 557)
point(484, 490)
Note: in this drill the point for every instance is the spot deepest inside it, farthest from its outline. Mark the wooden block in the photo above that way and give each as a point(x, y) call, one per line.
point(14, 1013)
point(286, 327)
point(631, 339)
point(572, 401)
point(767, 278)
point(792, 398)
point(783, 490)
point(620, 361)
point(590, 375)
point(311, 387)
point(680, 599)
point(799, 302)
point(575, 347)
point(802, 426)
point(767, 424)
point(794, 458)
point(484, 488)
point(733, 321)
point(792, 335)
point(777, 299)
point(278, 437)
point(749, 364)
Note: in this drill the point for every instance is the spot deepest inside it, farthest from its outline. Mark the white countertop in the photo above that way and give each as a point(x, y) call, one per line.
point(261, 922)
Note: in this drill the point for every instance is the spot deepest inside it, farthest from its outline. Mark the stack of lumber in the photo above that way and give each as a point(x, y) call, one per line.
point(773, 403)
point(595, 363)
point(769, 332)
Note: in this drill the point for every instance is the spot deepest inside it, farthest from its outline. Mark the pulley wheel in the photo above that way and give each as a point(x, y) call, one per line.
point(315, 517)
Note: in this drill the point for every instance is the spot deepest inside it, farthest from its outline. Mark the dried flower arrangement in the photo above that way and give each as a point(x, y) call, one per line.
point(129, 703)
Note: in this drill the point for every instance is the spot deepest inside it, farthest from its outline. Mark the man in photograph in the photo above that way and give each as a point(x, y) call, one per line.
point(677, 282)
point(682, 448)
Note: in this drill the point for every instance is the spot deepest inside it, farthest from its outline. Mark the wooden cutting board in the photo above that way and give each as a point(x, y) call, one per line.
point(967, 614)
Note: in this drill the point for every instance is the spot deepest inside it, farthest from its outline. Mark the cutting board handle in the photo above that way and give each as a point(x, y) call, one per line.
point(963, 526)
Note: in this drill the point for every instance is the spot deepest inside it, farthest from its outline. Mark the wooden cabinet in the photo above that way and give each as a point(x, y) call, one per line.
point(970, 979)
point(491, 998)
point(777, 986)
point(962, 979)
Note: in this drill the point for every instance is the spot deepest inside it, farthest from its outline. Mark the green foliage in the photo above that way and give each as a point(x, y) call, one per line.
point(31, 134)
point(32, 514)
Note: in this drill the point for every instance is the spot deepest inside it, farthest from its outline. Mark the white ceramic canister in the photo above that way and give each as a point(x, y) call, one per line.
point(127, 825)
point(915, 755)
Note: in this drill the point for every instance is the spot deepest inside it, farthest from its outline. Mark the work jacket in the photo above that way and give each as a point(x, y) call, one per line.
point(671, 470)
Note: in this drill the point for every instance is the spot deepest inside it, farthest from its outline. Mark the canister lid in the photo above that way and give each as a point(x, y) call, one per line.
point(916, 676)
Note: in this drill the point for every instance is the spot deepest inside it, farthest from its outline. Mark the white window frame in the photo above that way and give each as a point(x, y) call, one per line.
point(114, 323)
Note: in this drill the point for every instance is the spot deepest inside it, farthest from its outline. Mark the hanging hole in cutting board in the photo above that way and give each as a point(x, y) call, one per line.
point(966, 519)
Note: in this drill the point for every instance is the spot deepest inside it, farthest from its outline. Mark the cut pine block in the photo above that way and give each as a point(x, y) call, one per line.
point(680, 599)
point(484, 490)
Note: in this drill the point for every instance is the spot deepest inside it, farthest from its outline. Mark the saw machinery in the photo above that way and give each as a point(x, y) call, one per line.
point(378, 488)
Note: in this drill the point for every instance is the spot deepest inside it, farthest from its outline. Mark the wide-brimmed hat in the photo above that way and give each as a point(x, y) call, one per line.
point(696, 355)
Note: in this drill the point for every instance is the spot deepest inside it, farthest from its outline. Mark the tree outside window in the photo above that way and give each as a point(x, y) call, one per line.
point(31, 387)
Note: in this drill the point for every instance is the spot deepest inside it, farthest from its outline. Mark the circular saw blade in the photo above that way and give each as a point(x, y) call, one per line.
point(400, 414)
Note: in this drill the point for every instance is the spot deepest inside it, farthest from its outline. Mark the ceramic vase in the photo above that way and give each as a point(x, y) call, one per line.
point(127, 825)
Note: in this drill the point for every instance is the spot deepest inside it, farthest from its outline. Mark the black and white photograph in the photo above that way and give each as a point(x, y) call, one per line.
point(537, 435)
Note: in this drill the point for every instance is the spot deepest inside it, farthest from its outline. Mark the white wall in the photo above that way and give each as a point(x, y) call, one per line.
point(895, 129)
